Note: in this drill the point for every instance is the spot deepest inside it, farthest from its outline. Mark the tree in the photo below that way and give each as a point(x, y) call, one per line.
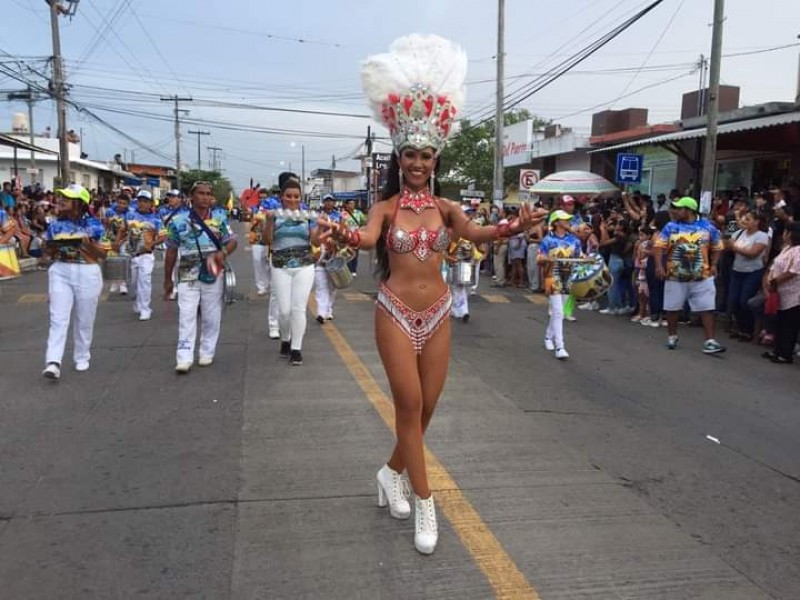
point(221, 187)
point(469, 157)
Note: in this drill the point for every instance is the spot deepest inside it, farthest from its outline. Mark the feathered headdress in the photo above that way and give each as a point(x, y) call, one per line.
point(416, 89)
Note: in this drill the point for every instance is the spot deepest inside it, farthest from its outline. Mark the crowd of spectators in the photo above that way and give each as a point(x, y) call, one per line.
point(623, 229)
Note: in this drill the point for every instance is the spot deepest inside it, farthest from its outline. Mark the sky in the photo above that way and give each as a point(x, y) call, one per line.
point(122, 56)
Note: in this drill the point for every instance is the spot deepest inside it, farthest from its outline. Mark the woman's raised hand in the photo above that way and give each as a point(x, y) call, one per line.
point(528, 216)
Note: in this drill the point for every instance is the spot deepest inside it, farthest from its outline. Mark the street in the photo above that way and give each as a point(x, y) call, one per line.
point(628, 471)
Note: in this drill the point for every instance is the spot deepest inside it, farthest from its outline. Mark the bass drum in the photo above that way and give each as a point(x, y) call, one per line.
point(590, 280)
point(461, 273)
point(228, 285)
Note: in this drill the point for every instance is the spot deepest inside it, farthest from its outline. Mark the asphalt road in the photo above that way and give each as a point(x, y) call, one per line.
point(250, 479)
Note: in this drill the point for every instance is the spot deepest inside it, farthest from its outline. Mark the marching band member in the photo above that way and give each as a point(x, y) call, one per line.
point(292, 269)
point(73, 242)
point(203, 238)
point(167, 211)
point(559, 243)
point(462, 251)
point(115, 222)
point(260, 253)
point(324, 290)
point(353, 218)
point(142, 230)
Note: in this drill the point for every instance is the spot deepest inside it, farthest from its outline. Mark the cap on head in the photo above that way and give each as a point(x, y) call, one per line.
point(174, 193)
point(567, 199)
point(559, 215)
point(144, 195)
point(685, 202)
point(76, 191)
point(328, 197)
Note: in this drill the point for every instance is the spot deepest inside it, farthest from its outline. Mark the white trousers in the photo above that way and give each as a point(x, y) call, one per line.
point(142, 282)
point(71, 286)
point(476, 269)
point(533, 266)
point(460, 305)
point(292, 288)
point(324, 292)
point(208, 296)
point(555, 327)
point(262, 271)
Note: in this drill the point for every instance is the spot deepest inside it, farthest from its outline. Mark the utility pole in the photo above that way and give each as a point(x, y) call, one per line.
point(797, 96)
point(712, 111)
point(198, 133)
point(177, 100)
point(498, 114)
point(368, 147)
point(333, 171)
point(303, 167)
point(215, 163)
point(58, 90)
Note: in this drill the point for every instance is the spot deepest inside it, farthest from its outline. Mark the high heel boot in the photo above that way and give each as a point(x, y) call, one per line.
point(392, 491)
point(427, 530)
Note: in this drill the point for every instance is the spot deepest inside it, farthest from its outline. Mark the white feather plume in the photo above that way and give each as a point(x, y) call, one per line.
point(428, 60)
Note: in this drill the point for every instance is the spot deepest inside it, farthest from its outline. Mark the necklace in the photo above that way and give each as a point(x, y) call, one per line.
point(416, 201)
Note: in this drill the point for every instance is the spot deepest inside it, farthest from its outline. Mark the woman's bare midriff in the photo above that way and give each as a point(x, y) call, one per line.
point(417, 284)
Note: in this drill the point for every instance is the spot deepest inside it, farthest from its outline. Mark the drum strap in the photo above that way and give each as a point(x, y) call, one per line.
point(197, 219)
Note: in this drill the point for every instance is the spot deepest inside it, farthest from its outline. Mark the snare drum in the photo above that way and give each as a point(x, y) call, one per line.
point(461, 273)
point(589, 280)
point(228, 285)
point(9, 266)
point(117, 268)
point(338, 269)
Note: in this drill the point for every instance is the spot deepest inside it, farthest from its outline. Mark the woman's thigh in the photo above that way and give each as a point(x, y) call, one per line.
point(399, 362)
point(433, 366)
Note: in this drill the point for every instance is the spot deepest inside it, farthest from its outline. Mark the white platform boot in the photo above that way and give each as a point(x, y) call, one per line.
point(427, 530)
point(392, 491)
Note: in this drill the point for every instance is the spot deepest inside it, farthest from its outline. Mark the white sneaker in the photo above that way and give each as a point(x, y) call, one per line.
point(274, 334)
point(571, 318)
point(123, 289)
point(205, 361)
point(82, 365)
point(261, 292)
point(183, 367)
point(664, 323)
point(426, 532)
point(114, 288)
point(608, 311)
point(637, 319)
point(174, 295)
point(585, 306)
point(393, 491)
point(52, 371)
point(595, 305)
point(145, 316)
point(647, 322)
point(549, 345)
point(562, 354)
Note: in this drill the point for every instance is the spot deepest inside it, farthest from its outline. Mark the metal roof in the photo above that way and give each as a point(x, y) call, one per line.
point(7, 140)
point(699, 132)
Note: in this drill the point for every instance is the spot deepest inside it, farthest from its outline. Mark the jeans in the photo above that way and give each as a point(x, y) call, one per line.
point(787, 329)
point(742, 287)
point(619, 288)
point(656, 287)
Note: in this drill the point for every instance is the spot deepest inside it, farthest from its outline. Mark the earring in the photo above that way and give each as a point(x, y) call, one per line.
point(433, 179)
point(400, 177)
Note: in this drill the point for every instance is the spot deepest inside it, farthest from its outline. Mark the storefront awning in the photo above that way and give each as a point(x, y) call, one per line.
point(700, 132)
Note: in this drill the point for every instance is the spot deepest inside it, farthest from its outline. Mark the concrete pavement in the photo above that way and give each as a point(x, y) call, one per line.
point(252, 479)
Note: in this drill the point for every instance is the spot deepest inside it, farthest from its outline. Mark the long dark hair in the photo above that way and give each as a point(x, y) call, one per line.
point(391, 189)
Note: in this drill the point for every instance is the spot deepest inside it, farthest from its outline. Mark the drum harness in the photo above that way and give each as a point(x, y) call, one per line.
point(193, 216)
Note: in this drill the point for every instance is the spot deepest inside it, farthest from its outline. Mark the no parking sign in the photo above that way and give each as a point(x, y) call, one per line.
point(528, 178)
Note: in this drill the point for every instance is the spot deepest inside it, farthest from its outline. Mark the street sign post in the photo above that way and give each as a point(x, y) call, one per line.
point(528, 178)
point(629, 168)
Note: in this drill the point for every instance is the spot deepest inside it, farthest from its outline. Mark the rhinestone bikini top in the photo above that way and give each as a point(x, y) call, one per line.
point(422, 241)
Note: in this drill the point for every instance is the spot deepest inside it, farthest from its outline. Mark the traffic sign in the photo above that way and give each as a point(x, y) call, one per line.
point(472, 194)
point(381, 159)
point(528, 178)
point(629, 168)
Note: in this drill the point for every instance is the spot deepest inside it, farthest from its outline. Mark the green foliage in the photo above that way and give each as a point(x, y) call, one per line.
point(222, 188)
point(469, 157)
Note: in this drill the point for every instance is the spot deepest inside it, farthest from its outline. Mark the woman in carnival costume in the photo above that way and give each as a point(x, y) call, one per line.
point(416, 90)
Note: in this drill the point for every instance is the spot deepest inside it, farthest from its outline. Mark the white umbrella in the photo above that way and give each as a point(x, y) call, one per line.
point(574, 182)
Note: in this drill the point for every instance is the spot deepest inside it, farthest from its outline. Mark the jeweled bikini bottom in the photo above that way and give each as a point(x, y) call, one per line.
point(419, 326)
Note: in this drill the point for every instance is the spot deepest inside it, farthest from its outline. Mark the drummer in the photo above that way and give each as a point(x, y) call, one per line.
point(167, 211)
point(75, 281)
point(559, 243)
point(142, 230)
point(462, 252)
point(114, 221)
point(324, 290)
